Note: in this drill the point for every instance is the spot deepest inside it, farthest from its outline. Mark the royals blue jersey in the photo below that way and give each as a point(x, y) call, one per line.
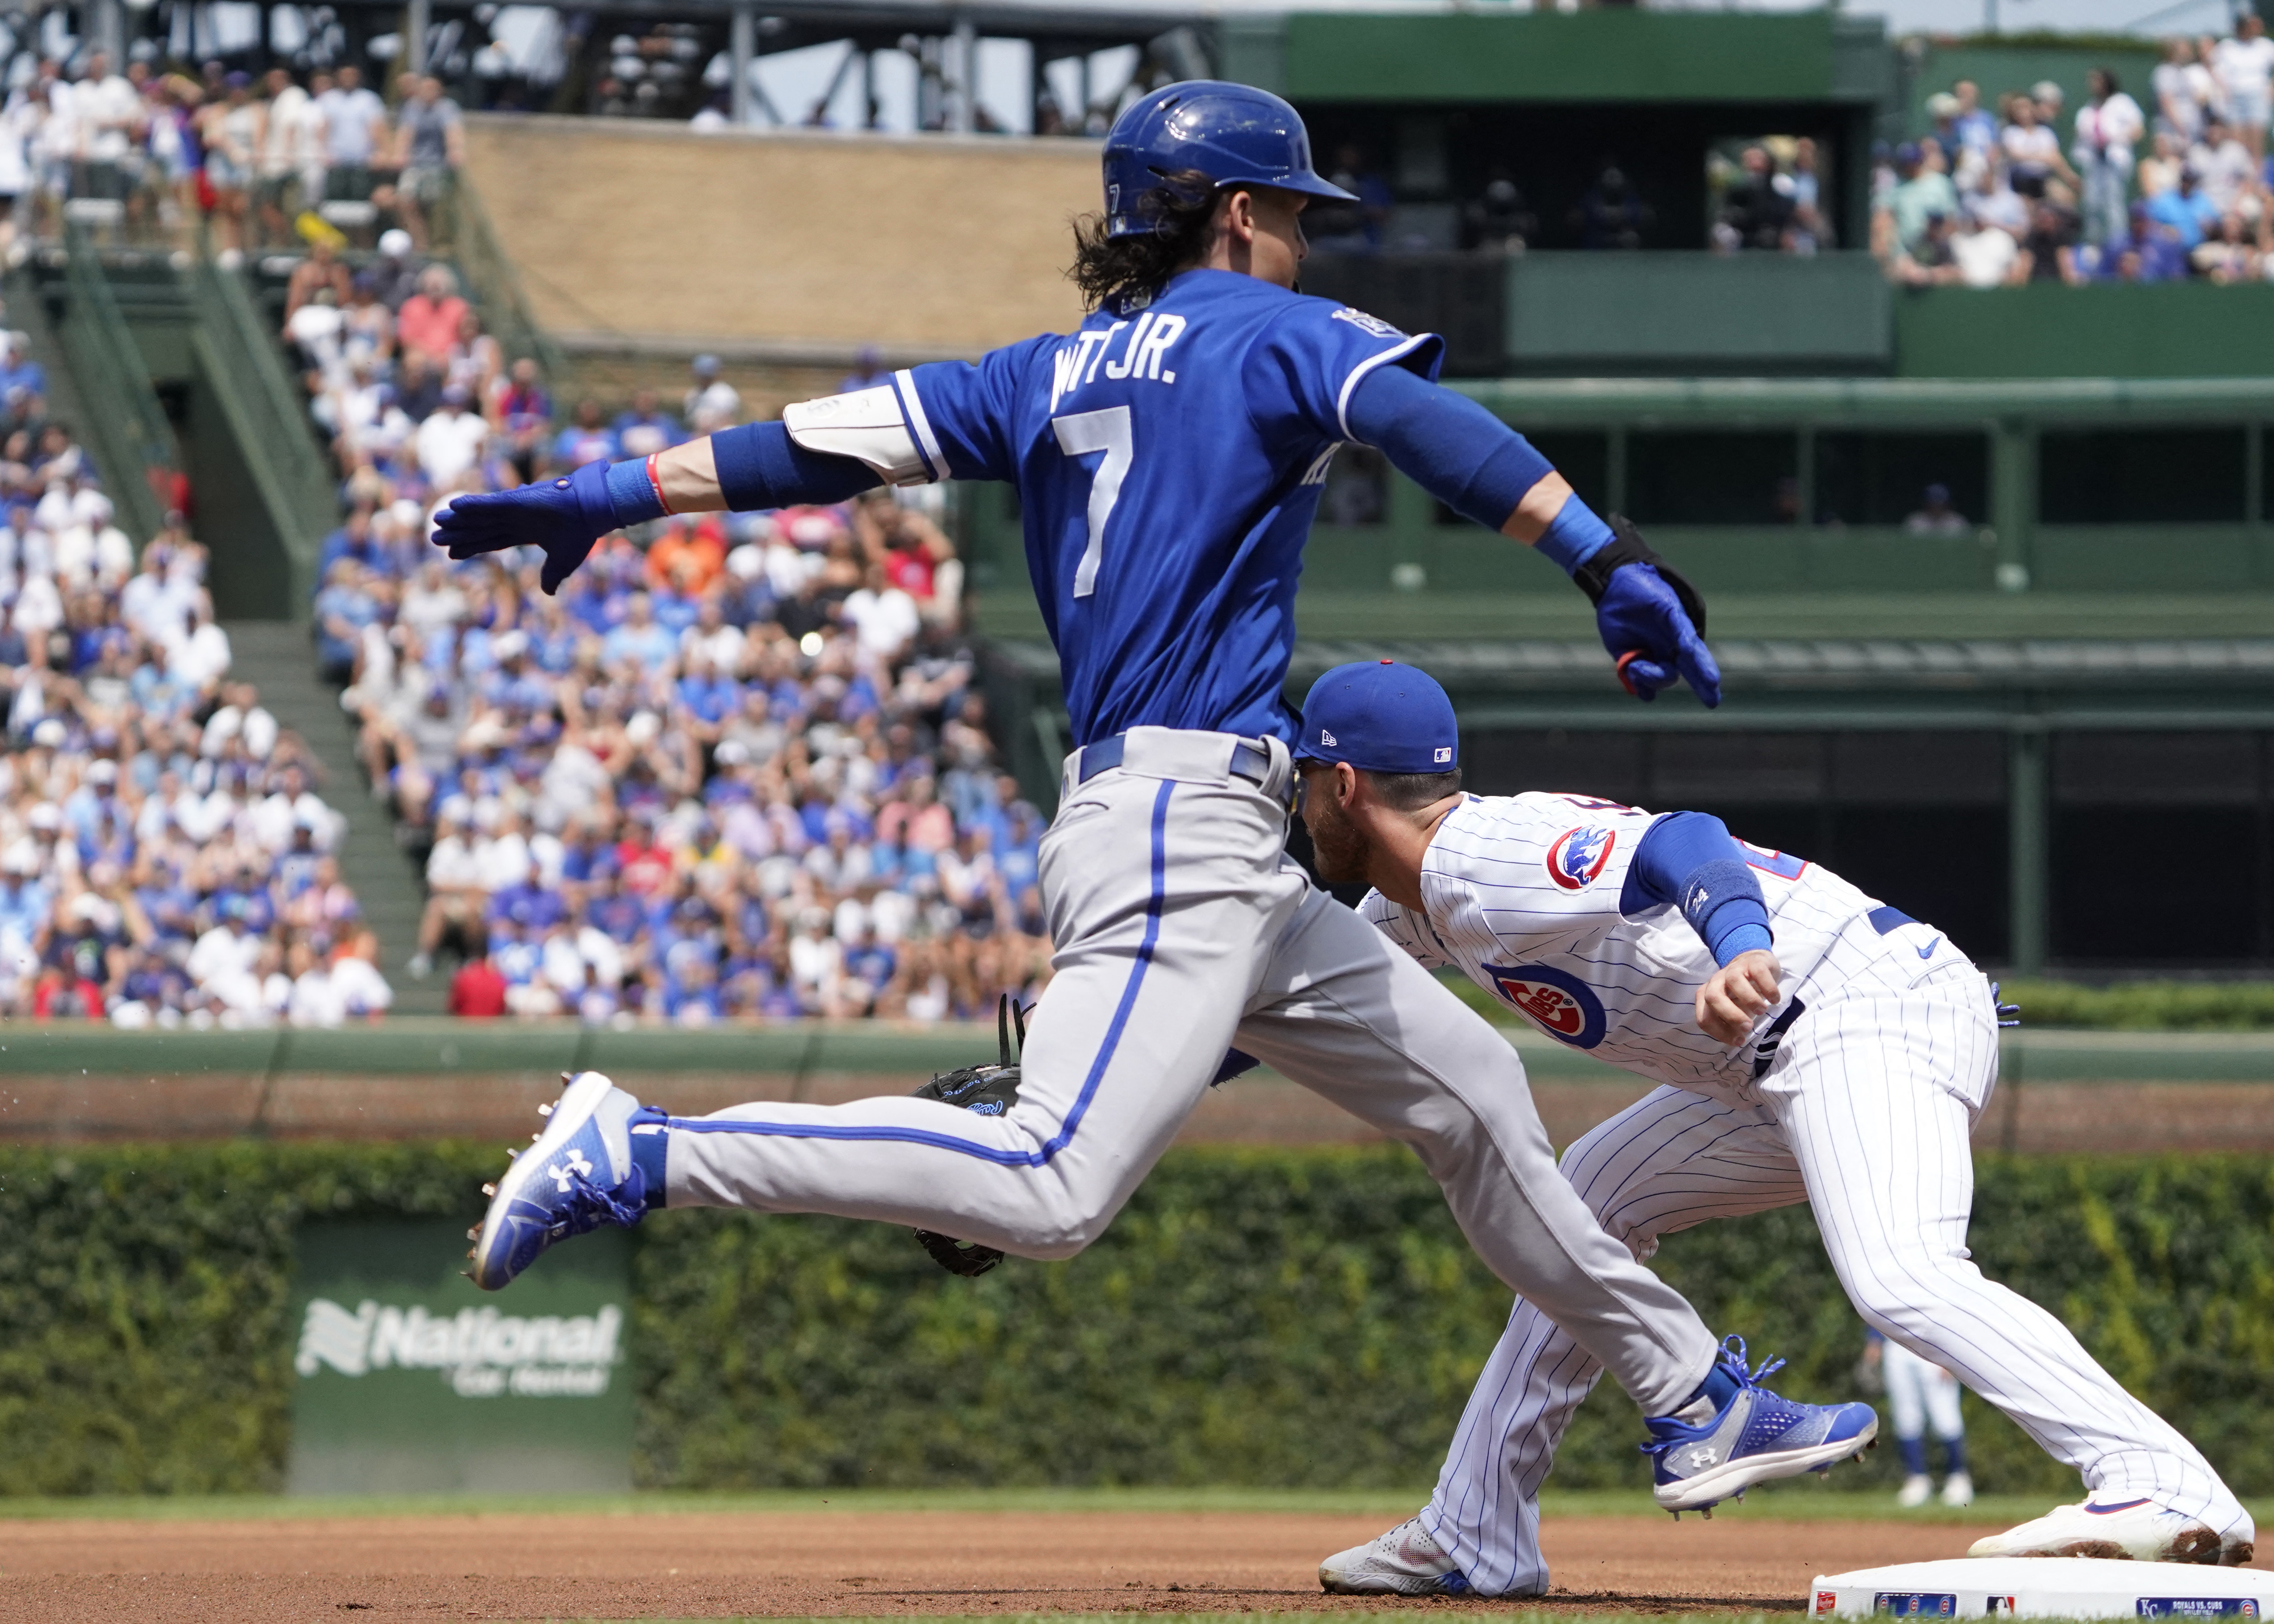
point(1168, 462)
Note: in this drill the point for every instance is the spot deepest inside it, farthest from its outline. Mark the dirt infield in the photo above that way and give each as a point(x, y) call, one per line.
point(726, 1564)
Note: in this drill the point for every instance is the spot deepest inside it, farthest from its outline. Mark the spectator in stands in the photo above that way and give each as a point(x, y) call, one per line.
point(1497, 220)
point(2231, 251)
point(1985, 253)
point(355, 139)
point(431, 147)
point(521, 409)
point(229, 132)
point(2182, 216)
point(1935, 516)
point(1974, 126)
point(2183, 90)
point(321, 269)
point(1611, 215)
point(1922, 194)
point(712, 403)
point(430, 320)
point(2032, 151)
point(2109, 126)
point(2224, 168)
point(1931, 260)
point(1757, 211)
point(449, 442)
point(2050, 249)
point(290, 147)
point(2244, 67)
point(646, 428)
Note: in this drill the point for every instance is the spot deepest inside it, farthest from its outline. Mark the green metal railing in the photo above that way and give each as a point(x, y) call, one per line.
point(495, 284)
point(238, 350)
point(132, 439)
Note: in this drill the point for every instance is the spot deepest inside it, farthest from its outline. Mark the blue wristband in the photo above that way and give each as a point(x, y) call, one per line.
point(1574, 536)
point(632, 494)
point(1746, 938)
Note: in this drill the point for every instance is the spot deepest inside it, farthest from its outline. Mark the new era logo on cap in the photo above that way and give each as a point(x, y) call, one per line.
point(1379, 716)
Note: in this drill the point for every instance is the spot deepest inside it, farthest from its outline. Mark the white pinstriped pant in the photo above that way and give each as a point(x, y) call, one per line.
point(1866, 1114)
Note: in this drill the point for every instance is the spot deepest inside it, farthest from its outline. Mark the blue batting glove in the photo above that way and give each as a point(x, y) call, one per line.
point(563, 516)
point(1648, 632)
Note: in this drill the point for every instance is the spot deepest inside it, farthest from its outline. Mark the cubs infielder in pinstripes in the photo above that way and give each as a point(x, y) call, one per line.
point(1812, 1045)
point(1169, 456)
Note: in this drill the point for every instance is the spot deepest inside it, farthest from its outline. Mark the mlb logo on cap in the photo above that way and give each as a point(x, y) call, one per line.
point(1380, 717)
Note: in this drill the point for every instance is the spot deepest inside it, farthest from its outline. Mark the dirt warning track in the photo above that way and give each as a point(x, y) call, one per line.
point(699, 1564)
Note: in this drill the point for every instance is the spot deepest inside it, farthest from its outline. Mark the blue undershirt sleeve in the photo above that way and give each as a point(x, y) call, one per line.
point(1466, 458)
point(761, 467)
point(1688, 860)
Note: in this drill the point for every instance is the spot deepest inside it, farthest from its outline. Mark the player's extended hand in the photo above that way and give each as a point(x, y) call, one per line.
point(563, 516)
point(1650, 634)
point(1737, 995)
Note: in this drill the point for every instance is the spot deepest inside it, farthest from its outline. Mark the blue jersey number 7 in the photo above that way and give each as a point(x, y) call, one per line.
point(1081, 434)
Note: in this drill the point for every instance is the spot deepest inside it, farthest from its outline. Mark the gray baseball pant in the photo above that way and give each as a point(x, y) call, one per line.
point(1181, 929)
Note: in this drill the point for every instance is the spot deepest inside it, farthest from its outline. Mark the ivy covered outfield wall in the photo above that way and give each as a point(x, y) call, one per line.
point(1279, 1317)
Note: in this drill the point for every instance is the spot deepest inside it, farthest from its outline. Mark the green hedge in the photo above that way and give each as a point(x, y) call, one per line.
point(1286, 1316)
point(2126, 1006)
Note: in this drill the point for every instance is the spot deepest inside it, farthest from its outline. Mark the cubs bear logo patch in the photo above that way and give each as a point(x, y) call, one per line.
point(1579, 855)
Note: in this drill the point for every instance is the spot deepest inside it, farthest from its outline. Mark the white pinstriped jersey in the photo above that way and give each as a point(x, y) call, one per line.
point(1522, 896)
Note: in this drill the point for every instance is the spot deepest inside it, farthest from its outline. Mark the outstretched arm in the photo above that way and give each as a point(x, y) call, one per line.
point(758, 465)
point(1652, 621)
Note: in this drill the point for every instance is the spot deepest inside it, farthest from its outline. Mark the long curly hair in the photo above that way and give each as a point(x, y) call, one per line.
point(1130, 271)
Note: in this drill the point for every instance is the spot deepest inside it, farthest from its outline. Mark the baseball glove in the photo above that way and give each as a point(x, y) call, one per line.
point(989, 1091)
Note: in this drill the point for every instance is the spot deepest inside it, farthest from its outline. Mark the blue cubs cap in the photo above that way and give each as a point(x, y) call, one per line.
point(1380, 717)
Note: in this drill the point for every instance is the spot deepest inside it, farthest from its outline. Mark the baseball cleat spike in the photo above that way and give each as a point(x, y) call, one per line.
point(475, 1233)
point(1707, 1512)
point(489, 1188)
point(535, 1137)
point(544, 1110)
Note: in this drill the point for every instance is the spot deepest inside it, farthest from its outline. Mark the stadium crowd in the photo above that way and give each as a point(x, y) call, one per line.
point(153, 152)
point(2115, 192)
point(738, 768)
point(165, 859)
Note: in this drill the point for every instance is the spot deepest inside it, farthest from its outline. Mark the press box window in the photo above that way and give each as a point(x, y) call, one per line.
point(1885, 479)
point(1713, 478)
point(2189, 475)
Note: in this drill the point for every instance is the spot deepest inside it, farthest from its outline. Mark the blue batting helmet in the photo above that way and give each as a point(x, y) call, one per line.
point(1234, 134)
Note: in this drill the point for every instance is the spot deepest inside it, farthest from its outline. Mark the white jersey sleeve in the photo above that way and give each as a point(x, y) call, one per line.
point(1523, 895)
point(1409, 930)
point(1531, 874)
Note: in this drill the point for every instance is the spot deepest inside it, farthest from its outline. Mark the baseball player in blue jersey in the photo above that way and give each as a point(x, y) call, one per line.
point(1169, 456)
point(1811, 1044)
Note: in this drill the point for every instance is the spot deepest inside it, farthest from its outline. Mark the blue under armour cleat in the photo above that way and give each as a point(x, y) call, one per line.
point(578, 1175)
point(1756, 1438)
